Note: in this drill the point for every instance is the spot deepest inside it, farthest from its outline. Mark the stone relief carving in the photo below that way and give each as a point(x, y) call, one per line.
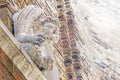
point(36, 35)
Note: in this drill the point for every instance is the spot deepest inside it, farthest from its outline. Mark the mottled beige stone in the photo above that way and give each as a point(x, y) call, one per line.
point(18, 55)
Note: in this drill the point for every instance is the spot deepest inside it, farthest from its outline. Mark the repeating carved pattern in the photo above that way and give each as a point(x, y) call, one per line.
point(68, 41)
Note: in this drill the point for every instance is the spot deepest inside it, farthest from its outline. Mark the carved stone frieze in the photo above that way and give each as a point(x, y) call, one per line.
point(13, 51)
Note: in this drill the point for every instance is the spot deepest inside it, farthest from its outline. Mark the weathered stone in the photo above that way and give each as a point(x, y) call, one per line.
point(19, 58)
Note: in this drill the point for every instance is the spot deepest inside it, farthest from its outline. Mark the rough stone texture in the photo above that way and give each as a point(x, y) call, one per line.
point(97, 34)
point(5, 14)
point(49, 12)
point(98, 24)
point(18, 56)
point(8, 68)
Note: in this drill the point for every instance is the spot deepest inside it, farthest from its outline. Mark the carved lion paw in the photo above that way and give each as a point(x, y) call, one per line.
point(38, 39)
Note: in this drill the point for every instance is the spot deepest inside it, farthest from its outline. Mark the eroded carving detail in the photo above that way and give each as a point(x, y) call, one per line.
point(25, 67)
point(2, 38)
point(18, 59)
point(36, 36)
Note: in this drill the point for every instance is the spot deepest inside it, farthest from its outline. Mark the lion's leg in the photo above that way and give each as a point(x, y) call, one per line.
point(29, 38)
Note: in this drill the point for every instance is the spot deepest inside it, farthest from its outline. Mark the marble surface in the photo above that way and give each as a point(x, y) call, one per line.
point(98, 24)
